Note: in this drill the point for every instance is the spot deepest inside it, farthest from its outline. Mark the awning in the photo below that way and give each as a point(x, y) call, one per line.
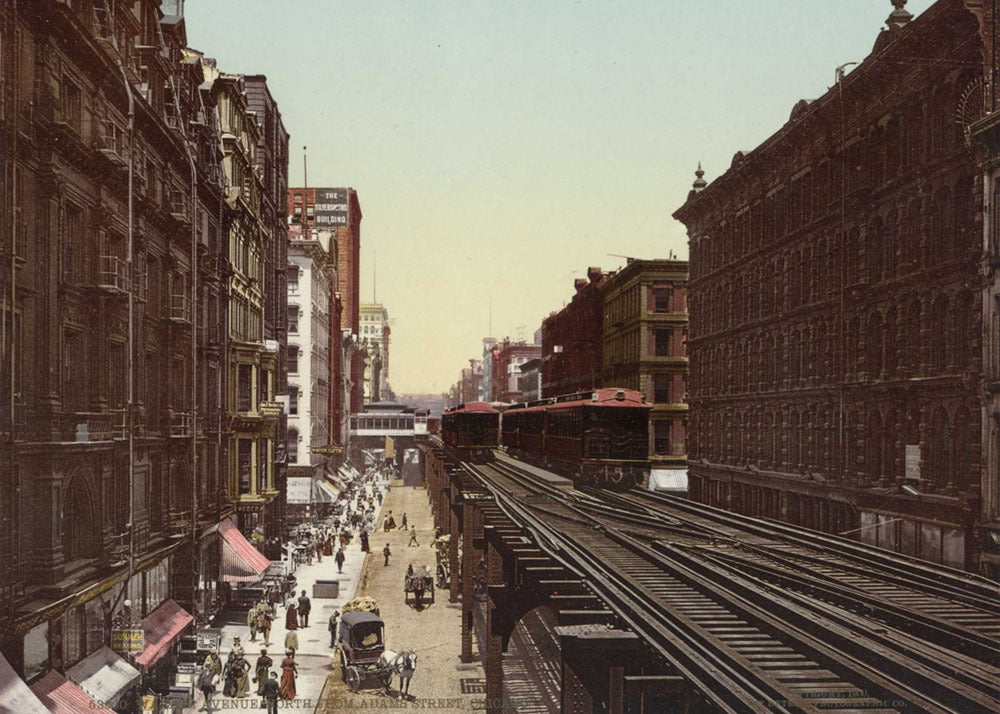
point(241, 562)
point(103, 675)
point(15, 695)
point(673, 480)
point(336, 481)
point(324, 492)
point(163, 627)
point(345, 474)
point(63, 697)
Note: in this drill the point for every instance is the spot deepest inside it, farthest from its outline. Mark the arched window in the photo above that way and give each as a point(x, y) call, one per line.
point(80, 522)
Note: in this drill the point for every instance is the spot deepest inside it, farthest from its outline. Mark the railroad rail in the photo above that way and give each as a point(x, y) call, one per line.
point(759, 616)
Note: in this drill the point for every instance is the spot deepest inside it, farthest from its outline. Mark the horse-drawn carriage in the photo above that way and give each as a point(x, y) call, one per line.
point(418, 581)
point(441, 545)
point(363, 654)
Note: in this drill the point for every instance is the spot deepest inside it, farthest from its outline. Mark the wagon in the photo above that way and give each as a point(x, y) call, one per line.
point(361, 645)
point(418, 581)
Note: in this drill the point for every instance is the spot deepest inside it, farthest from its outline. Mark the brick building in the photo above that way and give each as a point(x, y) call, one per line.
point(572, 348)
point(645, 325)
point(114, 419)
point(340, 210)
point(505, 363)
point(837, 333)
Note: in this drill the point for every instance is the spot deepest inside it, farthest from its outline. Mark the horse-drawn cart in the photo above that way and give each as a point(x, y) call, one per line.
point(418, 581)
point(361, 646)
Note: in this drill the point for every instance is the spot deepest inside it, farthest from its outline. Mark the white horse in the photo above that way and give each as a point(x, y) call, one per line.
point(401, 663)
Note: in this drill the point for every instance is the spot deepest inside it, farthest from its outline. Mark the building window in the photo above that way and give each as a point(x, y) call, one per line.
point(74, 371)
point(661, 438)
point(293, 278)
point(72, 103)
point(244, 387)
point(661, 342)
point(74, 258)
point(661, 388)
point(117, 374)
point(293, 446)
point(293, 318)
point(293, 400)
point(293, 359)
point(662, 299)
point(244, 464)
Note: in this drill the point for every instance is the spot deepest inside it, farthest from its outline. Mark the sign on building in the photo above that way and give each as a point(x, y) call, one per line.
point(331, 207)
point(128, 640)
point(299, 490)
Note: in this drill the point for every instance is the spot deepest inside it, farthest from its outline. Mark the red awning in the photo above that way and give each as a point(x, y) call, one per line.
point(241, 562)
point(63, 697)
point(163, 627)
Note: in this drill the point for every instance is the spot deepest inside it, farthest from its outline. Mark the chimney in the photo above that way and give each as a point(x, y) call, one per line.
point(579, 284)
point(594, 274)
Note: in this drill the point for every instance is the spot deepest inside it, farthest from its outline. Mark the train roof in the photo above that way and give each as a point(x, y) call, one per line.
point(609, 397)
point(482, 407)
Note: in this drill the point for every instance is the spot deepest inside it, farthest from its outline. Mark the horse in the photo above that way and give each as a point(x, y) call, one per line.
point(401, 663)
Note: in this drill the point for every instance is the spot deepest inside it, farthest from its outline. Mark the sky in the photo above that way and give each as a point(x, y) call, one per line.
point(500, 148)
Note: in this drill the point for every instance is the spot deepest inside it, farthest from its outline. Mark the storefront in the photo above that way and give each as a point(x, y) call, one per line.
point(163, 629)
point(243, 566)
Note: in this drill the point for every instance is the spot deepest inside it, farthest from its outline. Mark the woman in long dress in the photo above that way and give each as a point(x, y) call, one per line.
point(288, 674)
point(242, 668)
point(292, 617)
point(291, 641)
point(229, 675)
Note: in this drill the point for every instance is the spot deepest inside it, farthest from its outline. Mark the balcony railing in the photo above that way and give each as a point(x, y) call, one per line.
point(113, 274)
point(111, 143)
point(179, 206)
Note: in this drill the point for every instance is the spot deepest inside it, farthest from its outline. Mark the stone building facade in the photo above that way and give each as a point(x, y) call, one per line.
point(837, 319)
point(114, 461)
point(505, 364)
point(644, 334)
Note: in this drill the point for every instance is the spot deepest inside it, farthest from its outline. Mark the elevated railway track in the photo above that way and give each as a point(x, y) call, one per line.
point(757, 616)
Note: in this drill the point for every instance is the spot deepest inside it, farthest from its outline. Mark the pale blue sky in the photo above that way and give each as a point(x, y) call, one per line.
point(499, 148)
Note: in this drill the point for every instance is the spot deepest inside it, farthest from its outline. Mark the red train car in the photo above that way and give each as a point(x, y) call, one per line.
point(472, 431)
point(598, 438)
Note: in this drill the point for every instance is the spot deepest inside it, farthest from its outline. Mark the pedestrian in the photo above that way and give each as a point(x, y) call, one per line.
point(292, 641)
point(213, 663)
point(364, 542)
point(332, 626)
point(289, 671)
point(413, 539)
point(229, 675)
point(206, 683)
point(261, 671)
point(291, 617)
point(252, 622)
point(264, 624)
point(304, 607)
point(340, 556)
point(237, 647)
point(319, 551)
point(386, 552)
point(403, 522)
point(271, 693)
point(242, 670)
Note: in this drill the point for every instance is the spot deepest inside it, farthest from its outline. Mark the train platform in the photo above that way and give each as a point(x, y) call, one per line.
point(433, 632)
point(548, 477)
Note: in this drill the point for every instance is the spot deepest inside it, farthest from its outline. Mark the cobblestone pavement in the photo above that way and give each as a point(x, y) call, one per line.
point(315, 656)
point(434, 632)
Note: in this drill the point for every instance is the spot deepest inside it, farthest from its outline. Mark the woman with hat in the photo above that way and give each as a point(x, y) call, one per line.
point(289, 672)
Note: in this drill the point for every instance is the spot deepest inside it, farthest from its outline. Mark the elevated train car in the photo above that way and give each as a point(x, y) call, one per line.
point(472, 431)
point(598, 438)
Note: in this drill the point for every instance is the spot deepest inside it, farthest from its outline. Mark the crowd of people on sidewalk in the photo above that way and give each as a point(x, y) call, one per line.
point(358, 507)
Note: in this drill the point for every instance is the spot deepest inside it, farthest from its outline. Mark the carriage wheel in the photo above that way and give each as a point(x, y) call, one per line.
point(432, 593)
point(353, 679)
point(343, 666)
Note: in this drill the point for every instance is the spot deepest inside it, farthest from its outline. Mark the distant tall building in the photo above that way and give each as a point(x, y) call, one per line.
point(505, 361)
point(374, 334)
point(486, 384)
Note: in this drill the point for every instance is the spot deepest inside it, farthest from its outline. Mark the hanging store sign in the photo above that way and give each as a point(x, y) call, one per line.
point(128, 640)
point(270, 409)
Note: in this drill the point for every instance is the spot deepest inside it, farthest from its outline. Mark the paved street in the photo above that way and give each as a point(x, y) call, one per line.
point(432, 632)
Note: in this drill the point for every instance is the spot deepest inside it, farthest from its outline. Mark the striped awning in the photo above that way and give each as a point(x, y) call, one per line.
point(345, 474)
point(241, 562)
point(163, 627)
point(103, 675)
point(324, 492)
point(61, 696)
point(15, 695)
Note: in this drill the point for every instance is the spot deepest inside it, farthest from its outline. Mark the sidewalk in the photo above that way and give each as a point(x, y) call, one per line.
point(314, 656)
